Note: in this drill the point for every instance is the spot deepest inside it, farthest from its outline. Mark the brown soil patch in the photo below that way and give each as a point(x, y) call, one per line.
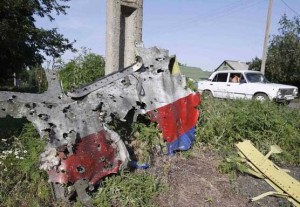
point(195, 182)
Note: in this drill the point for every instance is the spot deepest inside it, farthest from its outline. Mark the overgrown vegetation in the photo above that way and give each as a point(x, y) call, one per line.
point(147, 140)
point(85, 68)
point(22, 183)
point(226, 122)
point(142, 138)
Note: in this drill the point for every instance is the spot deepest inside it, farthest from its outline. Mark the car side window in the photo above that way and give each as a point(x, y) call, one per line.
point(235, 77)
point(242, 79)
point(220, 77)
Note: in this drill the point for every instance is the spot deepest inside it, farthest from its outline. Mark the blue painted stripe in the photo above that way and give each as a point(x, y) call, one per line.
point(184, 142)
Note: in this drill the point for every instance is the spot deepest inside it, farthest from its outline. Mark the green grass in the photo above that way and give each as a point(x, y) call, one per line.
point(130, 189)
point(226, 122)
point(22, 183)
point(194, 72)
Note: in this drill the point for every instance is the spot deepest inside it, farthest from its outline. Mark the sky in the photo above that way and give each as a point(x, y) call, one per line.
point(201, 33)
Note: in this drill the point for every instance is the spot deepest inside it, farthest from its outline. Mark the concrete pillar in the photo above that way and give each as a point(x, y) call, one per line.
point(123, 29)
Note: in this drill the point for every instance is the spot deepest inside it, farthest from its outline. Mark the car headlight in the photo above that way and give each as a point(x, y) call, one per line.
point(279, 93)
point(295, 92)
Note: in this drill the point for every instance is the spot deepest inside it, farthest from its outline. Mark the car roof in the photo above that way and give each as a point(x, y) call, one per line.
point(237, 71)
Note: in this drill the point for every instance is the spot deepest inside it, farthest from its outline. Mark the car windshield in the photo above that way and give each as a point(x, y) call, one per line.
point(256, 78)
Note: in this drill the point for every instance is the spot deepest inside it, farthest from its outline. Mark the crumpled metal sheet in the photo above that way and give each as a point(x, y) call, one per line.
point(76, 125)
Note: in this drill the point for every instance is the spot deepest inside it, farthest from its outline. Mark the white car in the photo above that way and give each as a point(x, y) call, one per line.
point(241, 84)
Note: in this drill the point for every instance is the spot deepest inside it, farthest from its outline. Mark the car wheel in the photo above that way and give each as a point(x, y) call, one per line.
point(285, 103)
point(260, 97)
point(207, 94)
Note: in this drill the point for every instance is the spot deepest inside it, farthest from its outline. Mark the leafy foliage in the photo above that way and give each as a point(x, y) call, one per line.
point(255, 64)
point(142, 138)
point(22, 43)
point(224, 123)
point(283, 62)
point(83, 69)
point(191, 84)
point(146, 141)
point(128, 190)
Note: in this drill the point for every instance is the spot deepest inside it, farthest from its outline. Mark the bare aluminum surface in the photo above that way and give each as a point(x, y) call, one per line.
point(67, 119)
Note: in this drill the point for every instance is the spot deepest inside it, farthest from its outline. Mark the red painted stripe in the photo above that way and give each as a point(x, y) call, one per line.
point(93, 159)
point(176, 118)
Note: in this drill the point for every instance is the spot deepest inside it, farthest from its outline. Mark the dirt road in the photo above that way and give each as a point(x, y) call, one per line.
point(295, 104)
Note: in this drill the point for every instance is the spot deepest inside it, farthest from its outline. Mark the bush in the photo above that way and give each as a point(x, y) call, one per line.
point(83, 69)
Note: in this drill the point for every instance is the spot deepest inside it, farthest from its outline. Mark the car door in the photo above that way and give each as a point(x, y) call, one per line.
point(218, 84)
point(236, 89)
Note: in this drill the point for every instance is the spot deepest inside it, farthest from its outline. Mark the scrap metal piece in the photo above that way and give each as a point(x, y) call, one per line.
point(80, 145)
point(284, 184)
point(270, 193)
point(81, 186)
point(59, 191)
point(106, 80)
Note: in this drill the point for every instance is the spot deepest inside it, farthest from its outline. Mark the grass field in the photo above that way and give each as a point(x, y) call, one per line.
point(194, 72)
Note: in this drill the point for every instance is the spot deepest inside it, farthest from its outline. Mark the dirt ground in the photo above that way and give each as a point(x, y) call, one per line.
point(196, 182)
point(295, 104)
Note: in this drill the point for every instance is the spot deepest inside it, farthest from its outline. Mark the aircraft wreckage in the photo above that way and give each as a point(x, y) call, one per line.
point(81, 148)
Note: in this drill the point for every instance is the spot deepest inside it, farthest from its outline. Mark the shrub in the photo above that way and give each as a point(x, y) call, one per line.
point(83, 69)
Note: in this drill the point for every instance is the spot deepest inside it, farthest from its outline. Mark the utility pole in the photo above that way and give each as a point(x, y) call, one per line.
point(264, 55)
point(124, 20)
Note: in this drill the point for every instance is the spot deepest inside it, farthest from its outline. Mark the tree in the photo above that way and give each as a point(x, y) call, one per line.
point(21, 42)
point(283, 61)
point(85, 68)
point(255, 64)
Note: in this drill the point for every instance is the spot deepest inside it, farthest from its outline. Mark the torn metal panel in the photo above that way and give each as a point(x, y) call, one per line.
point(81, 147)
point(177, 121)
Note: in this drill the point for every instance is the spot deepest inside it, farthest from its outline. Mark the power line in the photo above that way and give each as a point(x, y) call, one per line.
point(290, 7)
point(217, 14)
